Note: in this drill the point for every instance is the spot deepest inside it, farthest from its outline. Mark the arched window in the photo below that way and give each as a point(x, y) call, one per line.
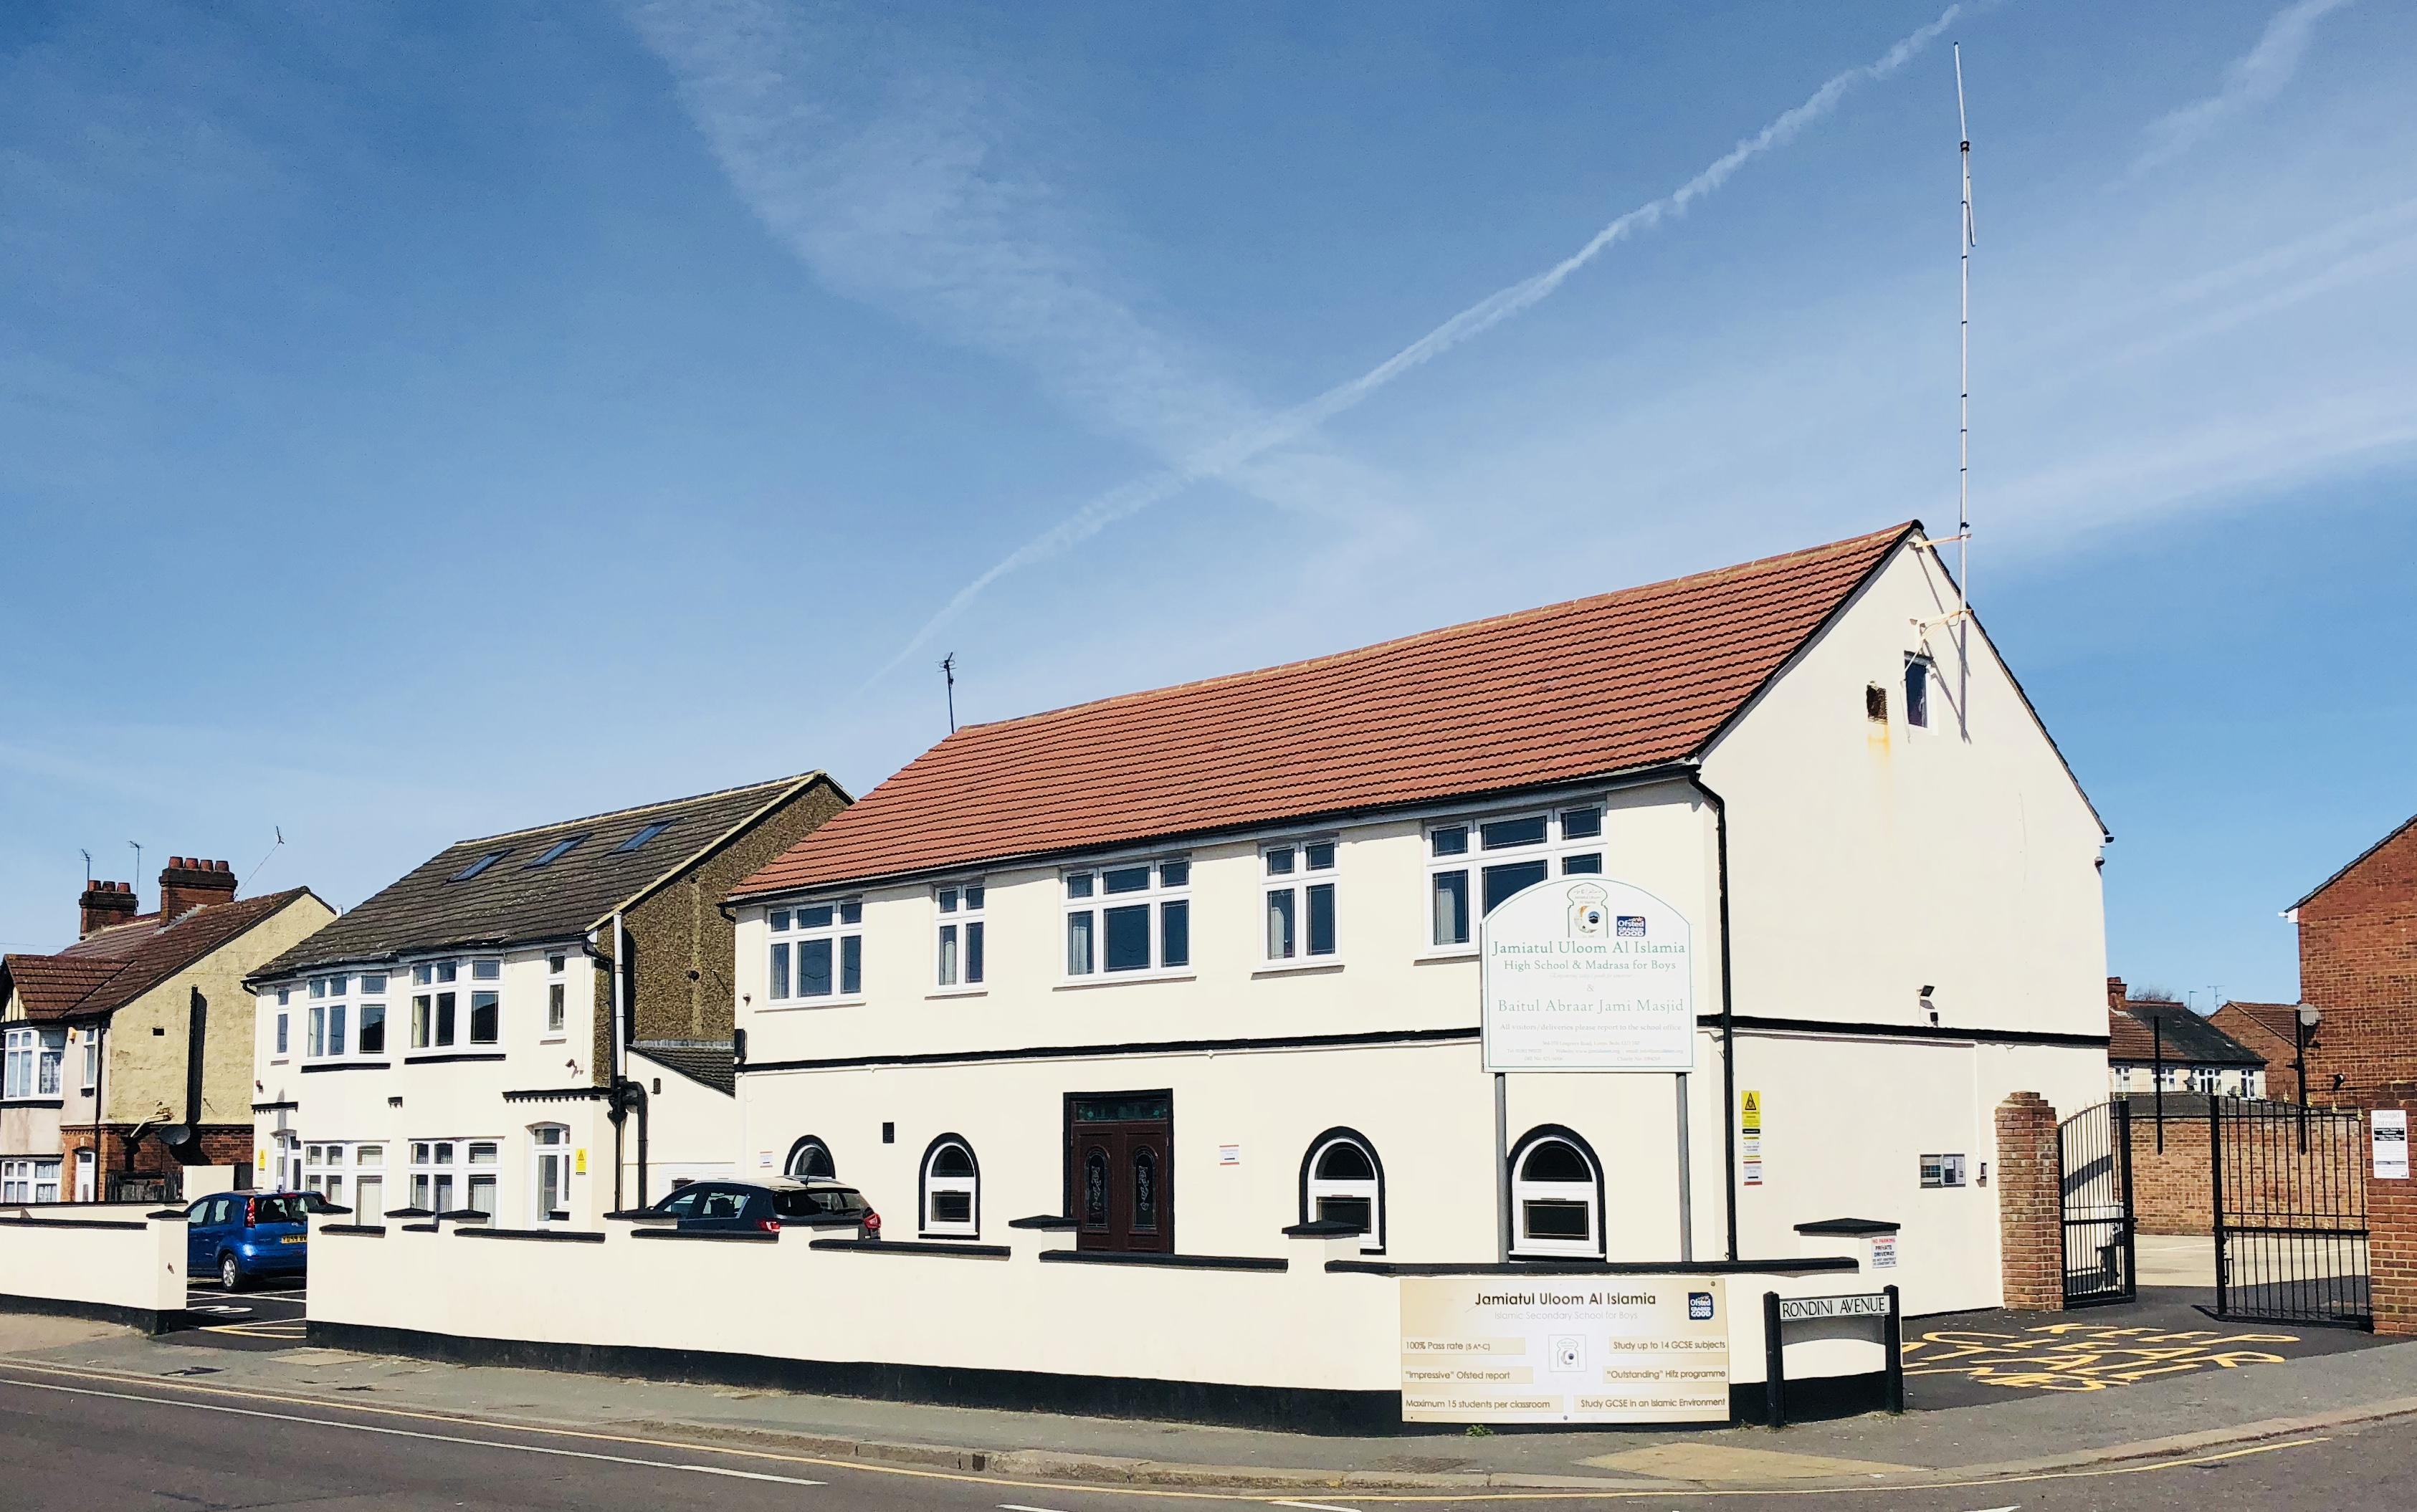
point(951, 1188)
point(1342, 1180)
point(809, 1159)
point(1556, 1195)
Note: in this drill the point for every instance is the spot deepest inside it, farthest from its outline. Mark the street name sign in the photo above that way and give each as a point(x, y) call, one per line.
point(1810, 1309)
point(1586, 974)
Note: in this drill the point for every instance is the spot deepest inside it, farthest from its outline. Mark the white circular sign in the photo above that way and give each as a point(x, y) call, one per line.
point(1585, 974)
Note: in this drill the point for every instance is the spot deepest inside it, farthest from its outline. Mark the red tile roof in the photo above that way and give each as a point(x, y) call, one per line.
point(2189, 1039)
point(110, 969)
point(1563, 693)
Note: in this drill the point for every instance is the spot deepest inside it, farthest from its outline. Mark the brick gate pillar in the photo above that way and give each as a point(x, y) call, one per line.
point(2392, 1233)
point(2030, 1203)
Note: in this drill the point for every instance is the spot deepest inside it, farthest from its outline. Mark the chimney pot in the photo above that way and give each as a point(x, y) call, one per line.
point(102, 904)
point(189, 883)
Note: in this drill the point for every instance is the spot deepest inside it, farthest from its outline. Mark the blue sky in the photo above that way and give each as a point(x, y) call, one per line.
point(423, 420)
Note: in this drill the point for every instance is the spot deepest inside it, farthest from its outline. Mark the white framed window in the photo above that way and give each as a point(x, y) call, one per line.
point(91, 1058)
point(485, 1157)
point(326, 1036)
point(486, 1016)
point(817, 952)
point(1556, 1196)
point(959, 947)
point(1916, 690)
point(323, 1169)
point(434, 1003)
point(284, 1034)
point(436, 1174)
point(558, 996)
point(952, 1184)
point(549, 1173)
point(1132, 917)
point(1474, 864)
point(369, 1182)
point(1341, 1181)
point(1299, 900)
point(29, 1181)
point(29, 1062)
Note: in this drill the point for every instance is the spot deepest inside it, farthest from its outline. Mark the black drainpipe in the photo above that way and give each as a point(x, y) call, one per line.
point(1728, 1013)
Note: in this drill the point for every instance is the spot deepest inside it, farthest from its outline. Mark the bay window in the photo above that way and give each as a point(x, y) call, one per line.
point(1131, 917)
point(29, 1062)
point(432, 1012)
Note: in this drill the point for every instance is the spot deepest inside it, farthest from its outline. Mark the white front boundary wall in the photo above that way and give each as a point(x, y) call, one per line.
point(1293, 1344)
point(112, 1262)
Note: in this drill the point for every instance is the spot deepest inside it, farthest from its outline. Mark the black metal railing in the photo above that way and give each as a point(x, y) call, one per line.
point(2100, 1264)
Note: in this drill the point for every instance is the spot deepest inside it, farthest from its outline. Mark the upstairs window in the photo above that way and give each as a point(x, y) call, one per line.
point(1916, 690)
point(817, 952)
point(1298, 902)
point(1473, 865)
point(1132, 917)
point(555, 852)
point(32, 1059)
point(433, 1012)
point(643, 836)
point(958, 950)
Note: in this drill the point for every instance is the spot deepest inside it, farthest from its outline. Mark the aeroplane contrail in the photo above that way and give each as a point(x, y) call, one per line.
point(1236, 450)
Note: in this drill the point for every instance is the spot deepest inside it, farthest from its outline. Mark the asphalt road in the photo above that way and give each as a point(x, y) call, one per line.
point(75, 1444)
point(266, 1315)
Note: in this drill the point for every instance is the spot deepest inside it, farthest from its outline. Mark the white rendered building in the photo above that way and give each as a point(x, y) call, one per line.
point(1178, 970)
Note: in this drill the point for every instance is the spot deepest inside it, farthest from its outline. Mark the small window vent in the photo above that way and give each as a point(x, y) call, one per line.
point(1875, 704)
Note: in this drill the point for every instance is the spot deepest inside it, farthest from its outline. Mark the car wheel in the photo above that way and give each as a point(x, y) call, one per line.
point(230, 1273)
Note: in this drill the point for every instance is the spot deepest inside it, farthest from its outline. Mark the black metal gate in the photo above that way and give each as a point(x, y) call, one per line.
point(2099, 1262)
point(2290, 1212)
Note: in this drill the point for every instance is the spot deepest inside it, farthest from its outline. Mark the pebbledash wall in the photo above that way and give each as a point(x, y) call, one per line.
point(1868, 861)
point(1294, 1344)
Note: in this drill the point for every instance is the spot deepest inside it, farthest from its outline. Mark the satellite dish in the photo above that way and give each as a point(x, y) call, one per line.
point(174, 1134)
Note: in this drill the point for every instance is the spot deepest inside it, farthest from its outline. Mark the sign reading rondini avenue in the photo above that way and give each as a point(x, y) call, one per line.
point(1586, 974)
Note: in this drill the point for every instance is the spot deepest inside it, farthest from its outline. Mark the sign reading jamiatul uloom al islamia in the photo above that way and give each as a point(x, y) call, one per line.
point(1586, 974)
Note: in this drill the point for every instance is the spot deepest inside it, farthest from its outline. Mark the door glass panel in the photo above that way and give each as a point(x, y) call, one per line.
point(1144, 1190)
point(1095, 1190)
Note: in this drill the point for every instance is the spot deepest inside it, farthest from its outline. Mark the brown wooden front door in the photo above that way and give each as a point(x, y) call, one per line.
point(1120, 1170)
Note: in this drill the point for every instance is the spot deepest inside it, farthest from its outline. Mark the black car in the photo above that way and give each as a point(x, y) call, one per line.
point(769, 1206)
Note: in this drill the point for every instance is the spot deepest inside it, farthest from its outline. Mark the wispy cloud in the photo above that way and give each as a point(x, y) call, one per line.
point(2252, 79)
point(1239, 448)
point(905, 177)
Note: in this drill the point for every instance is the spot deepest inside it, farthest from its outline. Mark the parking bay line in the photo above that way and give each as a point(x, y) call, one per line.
point(411, 1433)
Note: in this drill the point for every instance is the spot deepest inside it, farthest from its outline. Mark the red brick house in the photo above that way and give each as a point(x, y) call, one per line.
point(2358, 966)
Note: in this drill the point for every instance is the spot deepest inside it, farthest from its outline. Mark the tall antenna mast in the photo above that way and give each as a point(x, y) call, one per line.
point(1964, 401)
point(87, 870)
point(948, 670)
point(138, 872)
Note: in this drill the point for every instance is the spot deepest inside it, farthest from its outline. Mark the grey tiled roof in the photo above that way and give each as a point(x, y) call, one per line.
point(511, 904)
point(706, 1061)
point(2188, 1039)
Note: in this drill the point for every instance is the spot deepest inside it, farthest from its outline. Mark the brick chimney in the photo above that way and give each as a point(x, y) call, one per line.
point(2117, 993)
point(104, 904)
point(188, 882)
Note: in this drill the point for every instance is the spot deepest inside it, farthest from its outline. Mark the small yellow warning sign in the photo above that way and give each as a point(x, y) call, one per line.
point(579, 1162)
point(1750, 1112)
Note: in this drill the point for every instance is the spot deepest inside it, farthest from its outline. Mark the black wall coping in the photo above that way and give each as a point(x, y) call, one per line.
point(79, 1223)
point(1323, 1229)
point(914, 1247)
point(1813, 1265)
point(1163, 1261)
point(374, 1230)
point(560, 1236)
point(745, 1236)
point(1848, 1226)
point(1054, 1222)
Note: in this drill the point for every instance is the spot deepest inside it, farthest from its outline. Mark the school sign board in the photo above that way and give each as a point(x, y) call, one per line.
point(1564, 1349)
point(1586, 974)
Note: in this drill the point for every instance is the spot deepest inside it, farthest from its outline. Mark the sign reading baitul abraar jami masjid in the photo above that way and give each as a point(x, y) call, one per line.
point(1586, 974)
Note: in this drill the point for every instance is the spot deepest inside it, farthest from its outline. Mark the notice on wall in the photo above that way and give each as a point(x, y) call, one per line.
point(1750, 1138)
point(1586, 974)
point(2391, 1140)
point(1547, 1349)
point(1883, 1251)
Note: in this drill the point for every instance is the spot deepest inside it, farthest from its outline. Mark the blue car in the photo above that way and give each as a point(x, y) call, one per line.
point(242, 1235)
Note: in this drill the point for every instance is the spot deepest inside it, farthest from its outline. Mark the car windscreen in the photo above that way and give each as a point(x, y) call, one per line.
point(277, 1210)
point(821, 1202)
